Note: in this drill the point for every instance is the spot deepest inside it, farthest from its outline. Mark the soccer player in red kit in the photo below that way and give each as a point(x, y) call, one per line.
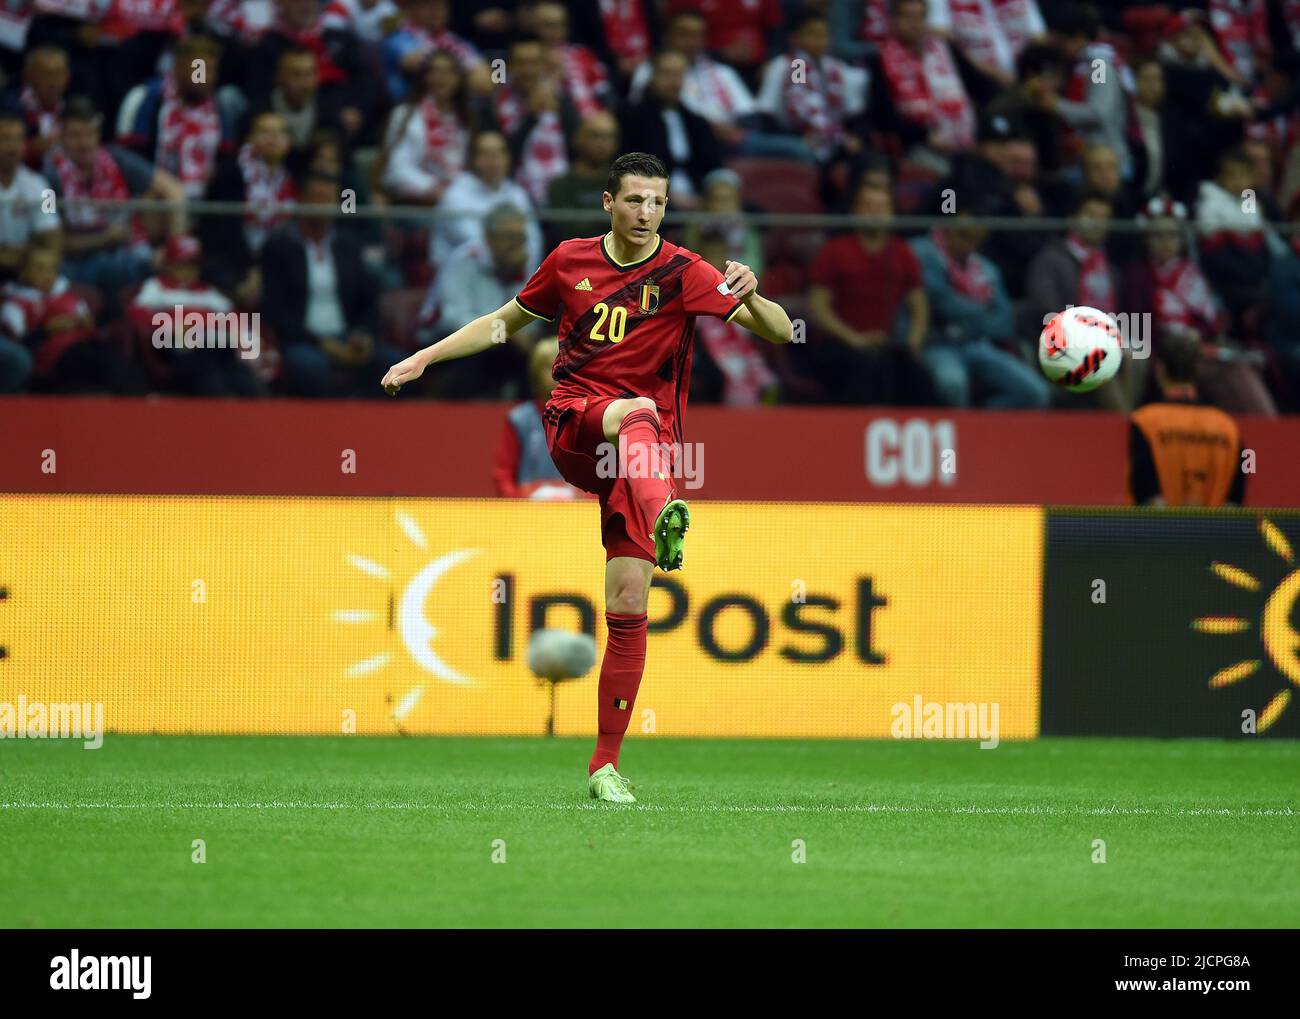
point(624, 305)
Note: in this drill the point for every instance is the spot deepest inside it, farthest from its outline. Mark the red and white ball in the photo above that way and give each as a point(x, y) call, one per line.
point(1080, 348)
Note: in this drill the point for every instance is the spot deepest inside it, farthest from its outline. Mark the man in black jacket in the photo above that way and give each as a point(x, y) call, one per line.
point(662, 126)
point(320, 300)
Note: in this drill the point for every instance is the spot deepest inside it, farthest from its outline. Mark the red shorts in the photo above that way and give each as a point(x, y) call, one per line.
point(574, 433)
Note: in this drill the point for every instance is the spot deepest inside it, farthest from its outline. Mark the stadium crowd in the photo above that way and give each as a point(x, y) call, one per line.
point(1183, 118)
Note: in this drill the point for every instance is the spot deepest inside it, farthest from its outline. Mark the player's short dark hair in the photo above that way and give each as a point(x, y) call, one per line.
point(633, 164)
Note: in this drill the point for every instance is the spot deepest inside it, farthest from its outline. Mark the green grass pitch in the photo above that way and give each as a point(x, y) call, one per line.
point(382, 832)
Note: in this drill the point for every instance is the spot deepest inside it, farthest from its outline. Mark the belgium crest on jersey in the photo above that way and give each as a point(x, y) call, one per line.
point(649, 298)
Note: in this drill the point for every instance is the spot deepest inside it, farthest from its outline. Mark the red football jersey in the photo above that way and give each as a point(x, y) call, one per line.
point(626, 330)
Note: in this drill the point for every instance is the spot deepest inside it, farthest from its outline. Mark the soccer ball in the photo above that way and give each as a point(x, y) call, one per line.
point(1080, 349)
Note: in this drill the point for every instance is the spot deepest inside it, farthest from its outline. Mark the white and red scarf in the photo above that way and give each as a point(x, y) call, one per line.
point(105, 182)
point(44, 122)
point(989, 32)
point(583, 77)
point(969, 279)
point(927, 90)
point(127, 17)
point(189, 135)
point(1183, 297)
point(744, 372)
point(508, 108)
point(247, 21)
point(24, 311)
point(627, 32)
point(445, 141)
point(816, 105)
point(543, 158)
point(1096, 285)
point(269, 191)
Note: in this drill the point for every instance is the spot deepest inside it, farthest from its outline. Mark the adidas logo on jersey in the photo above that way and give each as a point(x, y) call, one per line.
point(584, 285)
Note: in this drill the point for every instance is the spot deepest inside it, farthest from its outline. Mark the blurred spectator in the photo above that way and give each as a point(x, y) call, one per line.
point(484, 185)
point(811, 94)
point(1181, 453)
point(42, 311)
point(1101, 176)
point(595, 144)
point(920, 96)
point(984, 175)
point(1075, 271)
point(1235, 242)
point(297, 97)
point(72, 26)
point(45, 83)
point(479, 278)
point(258, 175)
point(344, 78)
point(865, 351)
point(660, 125)
point(1170, 286)
point(988, 36)
point(177, 291)
point(175, 120)
point(970, 320)
point(423, 30)
point(369, 20)
point(24, 217)
point(729, 366)
point(1149, 144)
point(1034, 100)
point(1099, 92)
point(578, 70)
point(722, 198)
point(617, 29)
point(1204, 112)
point(737, 29)
point(523, 468)
point(536, 117)
point(716, 92)
point(424, 146)
point(104, 248)
point(322, 307)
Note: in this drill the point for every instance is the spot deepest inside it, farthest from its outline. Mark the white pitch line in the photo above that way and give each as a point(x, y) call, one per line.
point(733, 808)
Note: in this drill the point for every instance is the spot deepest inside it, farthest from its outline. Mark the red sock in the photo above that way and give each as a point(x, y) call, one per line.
point(620, 677)
point(640, 454)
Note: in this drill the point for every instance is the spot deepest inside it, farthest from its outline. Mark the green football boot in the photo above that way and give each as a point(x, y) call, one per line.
point(607, 784)
point(671, 525)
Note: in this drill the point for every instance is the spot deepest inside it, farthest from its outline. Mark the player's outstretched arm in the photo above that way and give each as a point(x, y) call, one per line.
point(471, 338)
point(757, 314)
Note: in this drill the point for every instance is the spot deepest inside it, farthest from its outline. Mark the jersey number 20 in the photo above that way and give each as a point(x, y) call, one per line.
point(617, 322)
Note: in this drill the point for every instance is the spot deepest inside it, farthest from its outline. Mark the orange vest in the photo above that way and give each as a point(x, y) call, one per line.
point(1196, 451)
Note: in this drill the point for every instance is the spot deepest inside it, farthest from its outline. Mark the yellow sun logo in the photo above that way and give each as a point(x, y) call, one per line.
point(1279, 638)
